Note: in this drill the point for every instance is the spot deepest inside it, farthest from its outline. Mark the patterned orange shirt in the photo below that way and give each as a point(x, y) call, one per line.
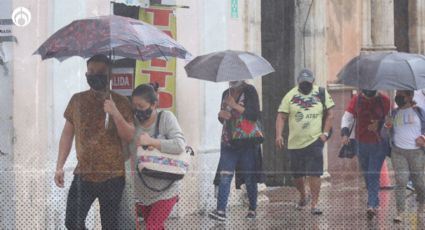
point(99, 150)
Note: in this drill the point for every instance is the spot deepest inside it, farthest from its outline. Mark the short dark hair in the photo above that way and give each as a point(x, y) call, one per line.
point(146, 91)
point(409, 93)
point(100, 58)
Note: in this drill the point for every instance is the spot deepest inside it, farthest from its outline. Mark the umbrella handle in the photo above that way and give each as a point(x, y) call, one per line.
point(108, 90)
point(110, 97)
point(106, 120)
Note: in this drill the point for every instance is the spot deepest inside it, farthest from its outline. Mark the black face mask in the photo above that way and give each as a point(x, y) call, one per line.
point(97, 81)
point(305, 87)
point(400, 101)
point(369, 93)
point(143, 115)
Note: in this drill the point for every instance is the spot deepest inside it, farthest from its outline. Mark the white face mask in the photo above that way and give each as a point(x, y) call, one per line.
point(235, 84)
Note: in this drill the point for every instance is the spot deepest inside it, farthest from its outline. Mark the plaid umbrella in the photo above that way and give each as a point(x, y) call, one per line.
point(124, 37)
point(228, 65)
point(385, 71)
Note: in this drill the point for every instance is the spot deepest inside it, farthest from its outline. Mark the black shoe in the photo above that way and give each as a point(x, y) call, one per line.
point(316, 211)
point(398, 220)
point(370, 213)
point(302, 203)
point(251, 215)
point(410, 186)
point(217, 215)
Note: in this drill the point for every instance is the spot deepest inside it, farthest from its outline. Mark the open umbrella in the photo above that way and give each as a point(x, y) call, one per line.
point(147, 3)
point(228, 65)
point(124, 37)
point(385, 71)
point(112, 35)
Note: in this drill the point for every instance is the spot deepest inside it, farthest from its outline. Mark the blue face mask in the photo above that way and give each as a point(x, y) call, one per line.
point(235, 84)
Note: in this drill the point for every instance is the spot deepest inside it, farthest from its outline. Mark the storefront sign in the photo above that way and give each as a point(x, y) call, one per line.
point(123, 81)
point(160, 70)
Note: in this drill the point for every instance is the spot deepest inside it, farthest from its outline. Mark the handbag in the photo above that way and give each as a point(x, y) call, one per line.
point(246, 130)
point(156, 164)
point(351, 149)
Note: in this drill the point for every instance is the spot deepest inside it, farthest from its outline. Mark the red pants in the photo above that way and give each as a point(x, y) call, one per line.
point(157, 213)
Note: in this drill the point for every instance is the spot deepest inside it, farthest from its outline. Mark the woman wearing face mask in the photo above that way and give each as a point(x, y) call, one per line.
point(240, 101)
point(156, 206)
point(367, 111)
point(407, 124)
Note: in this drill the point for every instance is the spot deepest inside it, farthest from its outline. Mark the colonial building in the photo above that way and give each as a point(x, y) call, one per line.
point(324, 36)
point(319, 34)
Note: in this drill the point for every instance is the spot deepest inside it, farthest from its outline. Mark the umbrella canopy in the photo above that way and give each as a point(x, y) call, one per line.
point(139, 3)
point(385, 71)
point(228, 65)
point(125, 37)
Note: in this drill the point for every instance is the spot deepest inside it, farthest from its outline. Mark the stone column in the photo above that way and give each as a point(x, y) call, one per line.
point(310, 28)
point(378, 27)
point(416, 26)
point(30, 109)
point(252, 33)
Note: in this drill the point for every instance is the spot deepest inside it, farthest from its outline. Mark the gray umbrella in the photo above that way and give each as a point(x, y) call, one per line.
point(385, 71)
point(228, 65)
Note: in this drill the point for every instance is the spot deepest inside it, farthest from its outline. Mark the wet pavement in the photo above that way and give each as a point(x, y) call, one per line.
point(343, 205)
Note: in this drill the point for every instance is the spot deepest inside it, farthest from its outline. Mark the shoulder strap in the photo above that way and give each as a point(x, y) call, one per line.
point(150, 187)
point(157, 125)
point(417, 110)
point(322, 97)
point(381, 104)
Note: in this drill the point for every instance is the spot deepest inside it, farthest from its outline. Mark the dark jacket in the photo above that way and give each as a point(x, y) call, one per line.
point(252, 112)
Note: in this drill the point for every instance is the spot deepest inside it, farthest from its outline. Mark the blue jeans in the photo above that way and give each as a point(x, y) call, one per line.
point(371, 157)
point(242, 157)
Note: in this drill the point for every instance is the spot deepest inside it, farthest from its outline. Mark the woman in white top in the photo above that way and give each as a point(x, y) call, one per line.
point(407, 124)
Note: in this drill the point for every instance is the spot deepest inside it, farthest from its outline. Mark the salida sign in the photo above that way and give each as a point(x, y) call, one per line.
point(123, 81)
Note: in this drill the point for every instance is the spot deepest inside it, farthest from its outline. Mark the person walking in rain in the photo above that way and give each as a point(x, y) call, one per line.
point(100, 172)
point(308, 110)
point(156, 197)
point(240, 109)
point(407, 128)
point(367, 111)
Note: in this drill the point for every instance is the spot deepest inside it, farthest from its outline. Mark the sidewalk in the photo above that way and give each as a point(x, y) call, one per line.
point(343, 204)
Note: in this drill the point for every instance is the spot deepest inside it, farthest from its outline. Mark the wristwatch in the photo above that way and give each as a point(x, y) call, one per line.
point(326, 134)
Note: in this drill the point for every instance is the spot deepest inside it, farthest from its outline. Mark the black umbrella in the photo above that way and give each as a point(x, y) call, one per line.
point(385, 71)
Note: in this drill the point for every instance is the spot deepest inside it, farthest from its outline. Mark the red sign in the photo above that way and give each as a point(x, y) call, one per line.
point(122, 81)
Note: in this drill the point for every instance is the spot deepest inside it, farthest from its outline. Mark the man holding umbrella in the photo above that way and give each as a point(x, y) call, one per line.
point(308, 108)
point(100, 171)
